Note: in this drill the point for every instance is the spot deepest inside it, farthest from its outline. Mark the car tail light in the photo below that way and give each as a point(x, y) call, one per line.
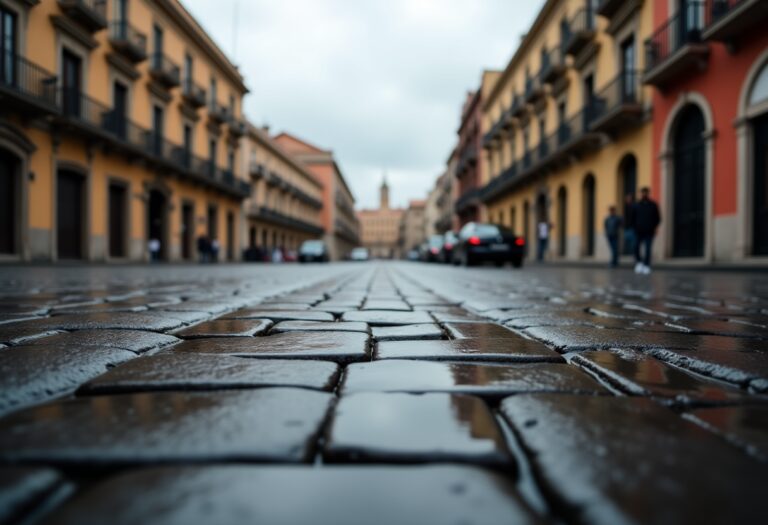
point(449, 246)
point(520, 241)
point(434, 251)
point(474, 241)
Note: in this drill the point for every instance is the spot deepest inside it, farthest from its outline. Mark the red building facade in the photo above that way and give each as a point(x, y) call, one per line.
point(708, 60)
point(467, 158)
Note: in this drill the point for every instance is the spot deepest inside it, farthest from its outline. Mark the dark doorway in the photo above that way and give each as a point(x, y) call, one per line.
point(120, 109)
point(760, 186)
point(627, 186)
point(157, 221)
point(9, 202)
point(71, 74)
point(589, 216)
point(69, 214)
point(230, 236)
point(187, 230)
point(688, 185)
point(562, 221)
point(118, 211)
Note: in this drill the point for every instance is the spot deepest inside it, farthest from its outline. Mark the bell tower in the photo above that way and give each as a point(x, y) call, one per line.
point(384, 195)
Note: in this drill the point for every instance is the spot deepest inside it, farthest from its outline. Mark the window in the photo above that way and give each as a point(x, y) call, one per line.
point(212, 156)
point(213, 92)
point(189, 65)
point(8, 51)
point(759, 92)
point(157, 129)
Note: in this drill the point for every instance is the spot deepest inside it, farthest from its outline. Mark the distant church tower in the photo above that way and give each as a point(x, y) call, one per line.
point(384, 195)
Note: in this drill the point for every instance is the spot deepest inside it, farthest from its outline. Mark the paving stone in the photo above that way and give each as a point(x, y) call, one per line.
point(387, 318)
point(211, 372)
point(745, 426)
point(281, 315)
point(407, 332)
point(291, 307)
point(34, 374)
point(559, 319)
point(341, 347)
point(187, 318)
point(717, 327)
point(269, 424)
point(608, 460)
point(490, 380)
point(138, 341)
point(319, 326)
point(23, 489)
point(24, 331)
point(15, 318)
point(456, 315)
point(728, 364)
point(99, 308)
point(414, 428)
point(232, 495)
point(209, 307)
point(638, 374)
point(478, 331)
point(16, 309)
point(226, 328)
point(400, 306)
point(154, 321)
point(517, 350)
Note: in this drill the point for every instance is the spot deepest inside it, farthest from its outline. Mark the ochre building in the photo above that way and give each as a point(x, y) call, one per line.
point(338, 218)
point(568, 124)
point(120, 124)
point(380, 228)
point(284, 207)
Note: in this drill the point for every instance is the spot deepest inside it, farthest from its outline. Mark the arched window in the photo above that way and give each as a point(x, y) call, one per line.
point(758, 107)
point(759, 93)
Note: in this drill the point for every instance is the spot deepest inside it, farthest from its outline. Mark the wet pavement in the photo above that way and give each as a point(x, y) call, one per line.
point(382, 393)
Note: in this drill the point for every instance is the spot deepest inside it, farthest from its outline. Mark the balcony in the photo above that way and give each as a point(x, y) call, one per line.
point(469, 199)
point(579, 32)
point(91, 14)
point(500, 184)
point(193, 94)
point(128, 41)
point(277, 218)
point(618, 105)
point(552, 65)
point(217, 113)
point(257, 170)
point(345, 231)
point(518, 108)
point(27, 87)
point(534, 90)
point(576, 135)
point(608, 8)
point(237, 127)
point(495, 132)
point(727, 20)
point(675, 50)
point(165, 71)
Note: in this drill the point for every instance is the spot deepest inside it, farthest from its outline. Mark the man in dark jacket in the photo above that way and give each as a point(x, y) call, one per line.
point(612, 228)
point(647, 220)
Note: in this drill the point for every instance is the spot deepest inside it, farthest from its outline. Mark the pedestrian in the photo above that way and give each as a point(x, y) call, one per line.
point(647, 220)
point(612, 229)
point(203, 249)
point(277, 255)
point(544, 228)
point(630, 234)
point(154, 249)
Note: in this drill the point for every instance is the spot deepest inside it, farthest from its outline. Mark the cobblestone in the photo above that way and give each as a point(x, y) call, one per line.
point(569, 396)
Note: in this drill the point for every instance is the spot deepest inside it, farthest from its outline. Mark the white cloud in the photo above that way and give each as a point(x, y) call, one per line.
point(381, 82)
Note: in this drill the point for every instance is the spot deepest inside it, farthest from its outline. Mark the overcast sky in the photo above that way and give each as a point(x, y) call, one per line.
point(381, 82)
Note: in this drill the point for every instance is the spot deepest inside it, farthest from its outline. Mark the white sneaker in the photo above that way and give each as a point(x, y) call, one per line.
point(646, 270)
point(639, 268)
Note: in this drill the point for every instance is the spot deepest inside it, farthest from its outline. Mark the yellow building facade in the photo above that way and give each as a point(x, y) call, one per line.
point(568, 125)
point(284, 207)
point(120, 131)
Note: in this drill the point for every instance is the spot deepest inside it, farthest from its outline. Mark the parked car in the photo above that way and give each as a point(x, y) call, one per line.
point(412, 255)
point(450, 240)
point(313, 251)
point(432, 251)
point(359, 254)
point(480, 243)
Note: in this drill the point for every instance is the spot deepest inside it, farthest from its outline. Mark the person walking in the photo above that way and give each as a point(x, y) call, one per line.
point(630, 234)
point(203, 249)
point(154, 249)
point(612, 227)
point(647, 220)
point(543, 231)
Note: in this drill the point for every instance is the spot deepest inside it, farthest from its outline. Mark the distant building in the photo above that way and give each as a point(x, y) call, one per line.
point(338, 218)
point(413, 225)
point(380, 228)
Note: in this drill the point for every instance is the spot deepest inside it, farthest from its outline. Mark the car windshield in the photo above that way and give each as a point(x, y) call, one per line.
point(486, 230)
point(312, 246)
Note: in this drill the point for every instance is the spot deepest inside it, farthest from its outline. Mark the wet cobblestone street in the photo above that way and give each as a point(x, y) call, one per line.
point(382, 393)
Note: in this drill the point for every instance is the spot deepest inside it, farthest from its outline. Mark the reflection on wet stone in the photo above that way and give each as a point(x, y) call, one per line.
point(745, 426)
point(407, 332)
point(226, 328)
point(22, 488)
point(516, 350)
point(387, 318)
point(133, 340)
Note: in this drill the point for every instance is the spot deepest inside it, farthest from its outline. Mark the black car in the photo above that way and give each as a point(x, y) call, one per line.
point(480, 243)
point(313, 251)
point(450, 240)
point(434, 245)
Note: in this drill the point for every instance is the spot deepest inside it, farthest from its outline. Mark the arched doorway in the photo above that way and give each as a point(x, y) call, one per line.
point(589, 216)
point(10, 170)
point(562, 221)
point(758, 106)
point(627, 192)
point(70, 214)
point(157, 221)
point(689, 184)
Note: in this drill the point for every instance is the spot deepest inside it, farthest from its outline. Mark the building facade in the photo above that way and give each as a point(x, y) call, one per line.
point(120, 124)
point(380, 227)
point(470, 162)
point(284, 207)
point(569, 124)
point(708, 61)
point(413, 226)
point(338, 217)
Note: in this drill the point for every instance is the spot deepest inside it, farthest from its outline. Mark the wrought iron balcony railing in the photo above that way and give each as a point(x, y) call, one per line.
point(165, 70)
point(128, 40)
point(91, 14)
point(579, 31)
point(619, 104)
point(27, 83)
point(728, 20)
point(193, 94)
